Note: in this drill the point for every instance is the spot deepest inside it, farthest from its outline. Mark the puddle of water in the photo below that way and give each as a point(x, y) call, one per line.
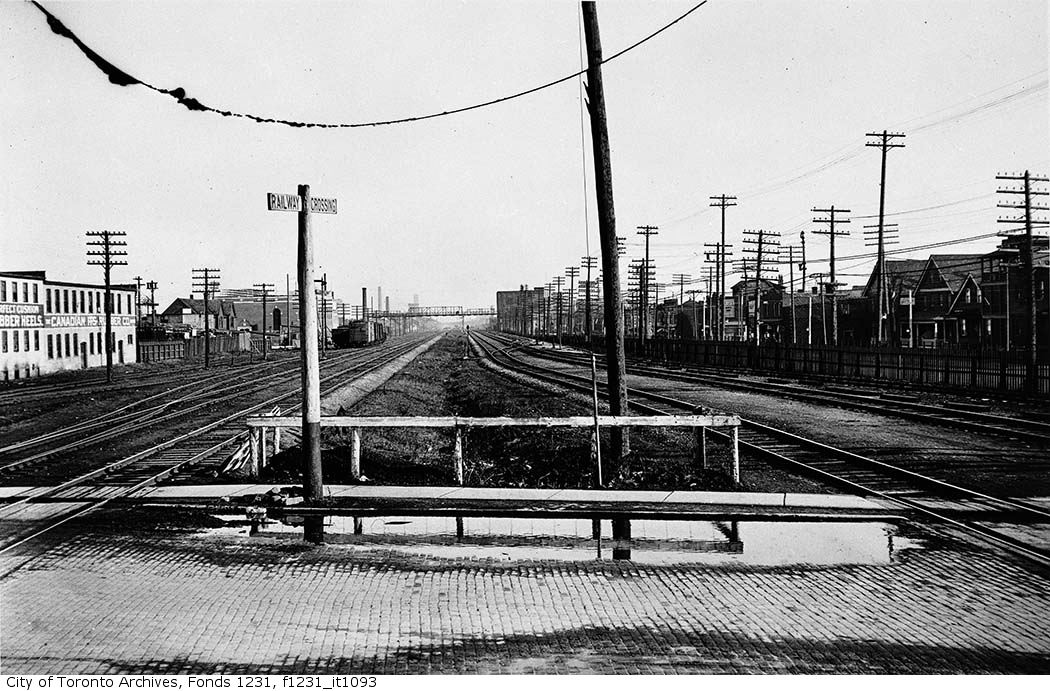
point(644, 541)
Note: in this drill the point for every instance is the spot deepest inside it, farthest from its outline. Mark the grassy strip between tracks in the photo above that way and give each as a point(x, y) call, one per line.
point(441, 382)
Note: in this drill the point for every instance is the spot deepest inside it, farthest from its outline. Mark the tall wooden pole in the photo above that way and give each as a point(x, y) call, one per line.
point(312, 479)
point(615, 357)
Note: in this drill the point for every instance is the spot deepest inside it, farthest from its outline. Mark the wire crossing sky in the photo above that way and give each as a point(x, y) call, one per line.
point(120, 78)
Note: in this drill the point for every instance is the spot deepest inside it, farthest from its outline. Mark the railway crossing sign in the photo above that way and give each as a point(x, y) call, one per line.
point(293, 202)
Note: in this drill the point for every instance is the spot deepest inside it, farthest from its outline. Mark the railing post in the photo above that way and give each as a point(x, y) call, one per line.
point(459, 455)
point(355, 453)
point(262, 448)
point(701, 446)
point(253, 452)
point(736, 454)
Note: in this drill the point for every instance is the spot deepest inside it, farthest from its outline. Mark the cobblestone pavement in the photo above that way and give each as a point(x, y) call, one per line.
point(104, 600)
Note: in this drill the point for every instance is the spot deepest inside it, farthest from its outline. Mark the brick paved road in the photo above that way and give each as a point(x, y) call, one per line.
point(161, 601)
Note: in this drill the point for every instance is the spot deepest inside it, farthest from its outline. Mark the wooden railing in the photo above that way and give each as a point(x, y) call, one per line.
point(259, 424)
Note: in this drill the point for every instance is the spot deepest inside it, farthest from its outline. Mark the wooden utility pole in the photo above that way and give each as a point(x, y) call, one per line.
point(768, 246)
point(206, 281)
point(693, 292)
point(1028, 256)
point(264, 288)
point(647, 231)
point(615, 357)
point(885, 141)
point(323, 334)
point(558, 282)
point(572, 272)
point(589, 263)
point(151, 286)
point(311, 374)
point(717, 256)
point(138, 300)
point(108, 255)
point(791, 292)
point(723, 202)
point(681, 279)
point(831, 220)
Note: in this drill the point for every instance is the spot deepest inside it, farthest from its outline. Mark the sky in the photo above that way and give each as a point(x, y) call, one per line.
point(768, 101)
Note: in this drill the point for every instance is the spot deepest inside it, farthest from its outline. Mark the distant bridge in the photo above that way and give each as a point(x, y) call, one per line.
point(443, 311)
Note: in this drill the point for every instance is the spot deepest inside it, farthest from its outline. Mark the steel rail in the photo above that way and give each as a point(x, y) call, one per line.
point(369, 365)
point(987, 533)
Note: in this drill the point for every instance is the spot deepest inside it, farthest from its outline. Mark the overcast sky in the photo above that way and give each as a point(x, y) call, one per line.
point(768, 101)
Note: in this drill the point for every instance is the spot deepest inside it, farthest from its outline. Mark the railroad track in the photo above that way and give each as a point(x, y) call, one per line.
point(44, 508)
point(1035, 432)
point(150, 410)
point(963, 508)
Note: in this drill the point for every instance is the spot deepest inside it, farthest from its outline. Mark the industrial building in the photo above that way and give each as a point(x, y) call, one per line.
point(47, 326)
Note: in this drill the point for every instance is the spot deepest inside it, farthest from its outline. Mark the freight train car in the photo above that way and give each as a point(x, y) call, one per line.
point(358, 333)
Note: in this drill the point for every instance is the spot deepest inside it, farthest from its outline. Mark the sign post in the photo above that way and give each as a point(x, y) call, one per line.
point(313, 484)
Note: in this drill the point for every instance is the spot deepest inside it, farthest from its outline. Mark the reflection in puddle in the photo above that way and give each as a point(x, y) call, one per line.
point(644, 541)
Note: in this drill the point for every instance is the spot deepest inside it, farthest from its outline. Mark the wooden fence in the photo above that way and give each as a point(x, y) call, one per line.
point(185, 348)
point(992, 372)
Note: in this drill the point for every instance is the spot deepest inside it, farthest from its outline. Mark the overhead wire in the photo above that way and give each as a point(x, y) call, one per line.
point(121, 78)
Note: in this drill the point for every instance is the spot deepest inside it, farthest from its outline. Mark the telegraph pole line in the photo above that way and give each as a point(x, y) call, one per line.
point(547, 309)
point(589, 263)
point(206, 281)
point(723, 202)
point(572, 272)
point(151, 286)
point(263, 288)
point(884, 141)
point(831, 232)
point(647, 231)
point(107, 256)
point(1029, 256)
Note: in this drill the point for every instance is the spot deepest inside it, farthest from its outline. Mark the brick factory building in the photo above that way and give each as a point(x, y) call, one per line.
point(48, 326)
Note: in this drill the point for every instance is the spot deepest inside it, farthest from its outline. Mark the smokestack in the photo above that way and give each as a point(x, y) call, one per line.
point(364, 303)
point(379, 297)
point(387, 303)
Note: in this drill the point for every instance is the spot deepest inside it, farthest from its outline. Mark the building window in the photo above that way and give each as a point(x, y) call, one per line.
point(36, 295)
point(36, 340)
point(74, 300)
point(50, 347)
point(68, 349)
point(65, 301)
point(14, 340)
point(3, 292)
point(83, 302)
point(3, 341)
point(25, 292)
point(25, 339)
point(14, 297)
point(76, 345)
point(48, 299)
point(129, 339)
